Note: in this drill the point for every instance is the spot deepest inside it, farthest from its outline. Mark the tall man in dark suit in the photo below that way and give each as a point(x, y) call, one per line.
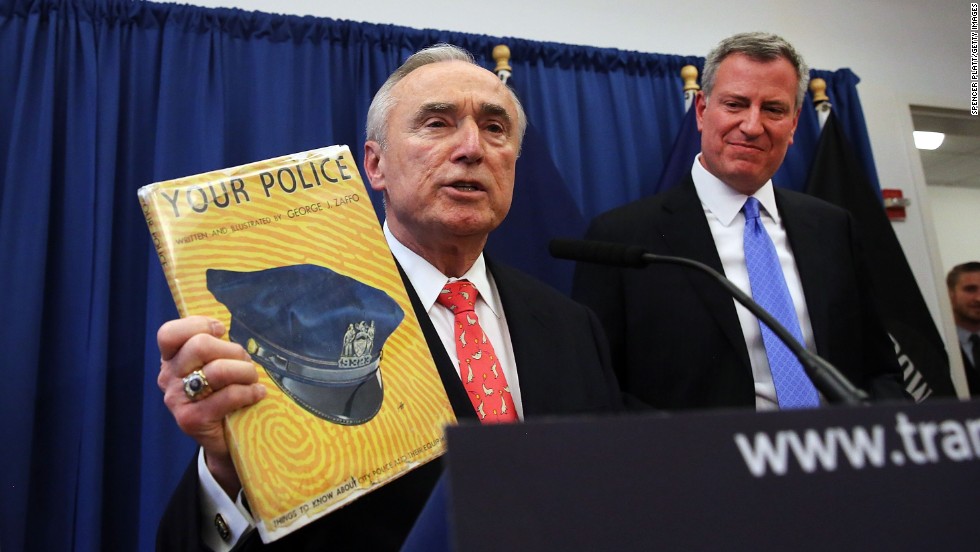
point(443, 139)
point(679, 341)
point(963, 285)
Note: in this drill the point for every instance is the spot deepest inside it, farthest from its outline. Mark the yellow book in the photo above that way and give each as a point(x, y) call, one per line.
point(289, 255)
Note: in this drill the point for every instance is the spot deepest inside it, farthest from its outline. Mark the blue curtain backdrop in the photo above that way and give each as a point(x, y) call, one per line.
point(101, 97)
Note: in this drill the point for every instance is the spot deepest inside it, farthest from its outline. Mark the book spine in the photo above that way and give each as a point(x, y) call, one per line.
point(162, 243)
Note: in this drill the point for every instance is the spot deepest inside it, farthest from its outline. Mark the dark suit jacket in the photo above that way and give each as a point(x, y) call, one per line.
point(563, 365)
point(674, 333)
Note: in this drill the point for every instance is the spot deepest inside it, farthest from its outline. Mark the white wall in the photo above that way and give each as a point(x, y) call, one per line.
point(957, 221)
point(905, 51)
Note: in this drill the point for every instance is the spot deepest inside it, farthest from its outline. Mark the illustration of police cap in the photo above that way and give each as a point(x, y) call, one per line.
point(318, 334)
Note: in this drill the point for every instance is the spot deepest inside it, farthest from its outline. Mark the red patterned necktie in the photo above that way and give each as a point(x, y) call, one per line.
point(483, 378)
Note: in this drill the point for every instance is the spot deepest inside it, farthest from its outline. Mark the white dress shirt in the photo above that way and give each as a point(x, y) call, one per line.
point(427, 282)
point(723, 209)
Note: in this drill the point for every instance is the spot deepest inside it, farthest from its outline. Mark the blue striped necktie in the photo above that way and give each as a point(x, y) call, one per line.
point(793, 388)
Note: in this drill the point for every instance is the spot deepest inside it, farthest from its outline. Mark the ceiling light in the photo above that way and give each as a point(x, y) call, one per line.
point(928, 140)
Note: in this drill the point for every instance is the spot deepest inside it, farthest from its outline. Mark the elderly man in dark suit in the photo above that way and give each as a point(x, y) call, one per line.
point(678, 340)
point(443, 139)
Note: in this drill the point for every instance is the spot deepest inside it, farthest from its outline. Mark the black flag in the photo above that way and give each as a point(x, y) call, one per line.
point(837, 176)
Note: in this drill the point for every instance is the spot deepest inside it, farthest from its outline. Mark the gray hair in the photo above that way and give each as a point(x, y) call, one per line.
point(383, 102)
point(760, 47)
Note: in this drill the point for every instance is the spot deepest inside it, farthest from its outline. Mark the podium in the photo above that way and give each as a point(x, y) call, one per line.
point(902, 477)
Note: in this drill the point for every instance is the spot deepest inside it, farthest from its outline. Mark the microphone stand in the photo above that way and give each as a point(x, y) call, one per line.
point(831, 383)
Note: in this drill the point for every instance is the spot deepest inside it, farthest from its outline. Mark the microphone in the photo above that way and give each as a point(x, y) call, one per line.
point(826, 378)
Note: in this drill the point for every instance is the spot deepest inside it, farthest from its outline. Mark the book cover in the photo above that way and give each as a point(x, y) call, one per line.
point(289, 255)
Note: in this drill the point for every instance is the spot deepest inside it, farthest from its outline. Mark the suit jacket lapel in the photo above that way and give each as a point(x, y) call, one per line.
point(685, 231)
point(527, 331)
point(461, 404)
point(803, 230)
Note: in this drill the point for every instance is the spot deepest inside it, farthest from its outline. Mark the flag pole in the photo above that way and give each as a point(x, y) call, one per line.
point(821, 102)
point(689, 74)
point(501, 54)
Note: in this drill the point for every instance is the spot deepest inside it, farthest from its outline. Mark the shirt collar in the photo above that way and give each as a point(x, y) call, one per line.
point(723, 201)
point(964, 336)
point(428, 281)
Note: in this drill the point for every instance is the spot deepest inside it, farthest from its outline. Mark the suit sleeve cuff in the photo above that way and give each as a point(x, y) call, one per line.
point(223, 522)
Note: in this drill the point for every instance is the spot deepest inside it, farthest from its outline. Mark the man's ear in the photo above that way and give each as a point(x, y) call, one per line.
point(372, 165)
point(700, 102)
point(796, 121)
